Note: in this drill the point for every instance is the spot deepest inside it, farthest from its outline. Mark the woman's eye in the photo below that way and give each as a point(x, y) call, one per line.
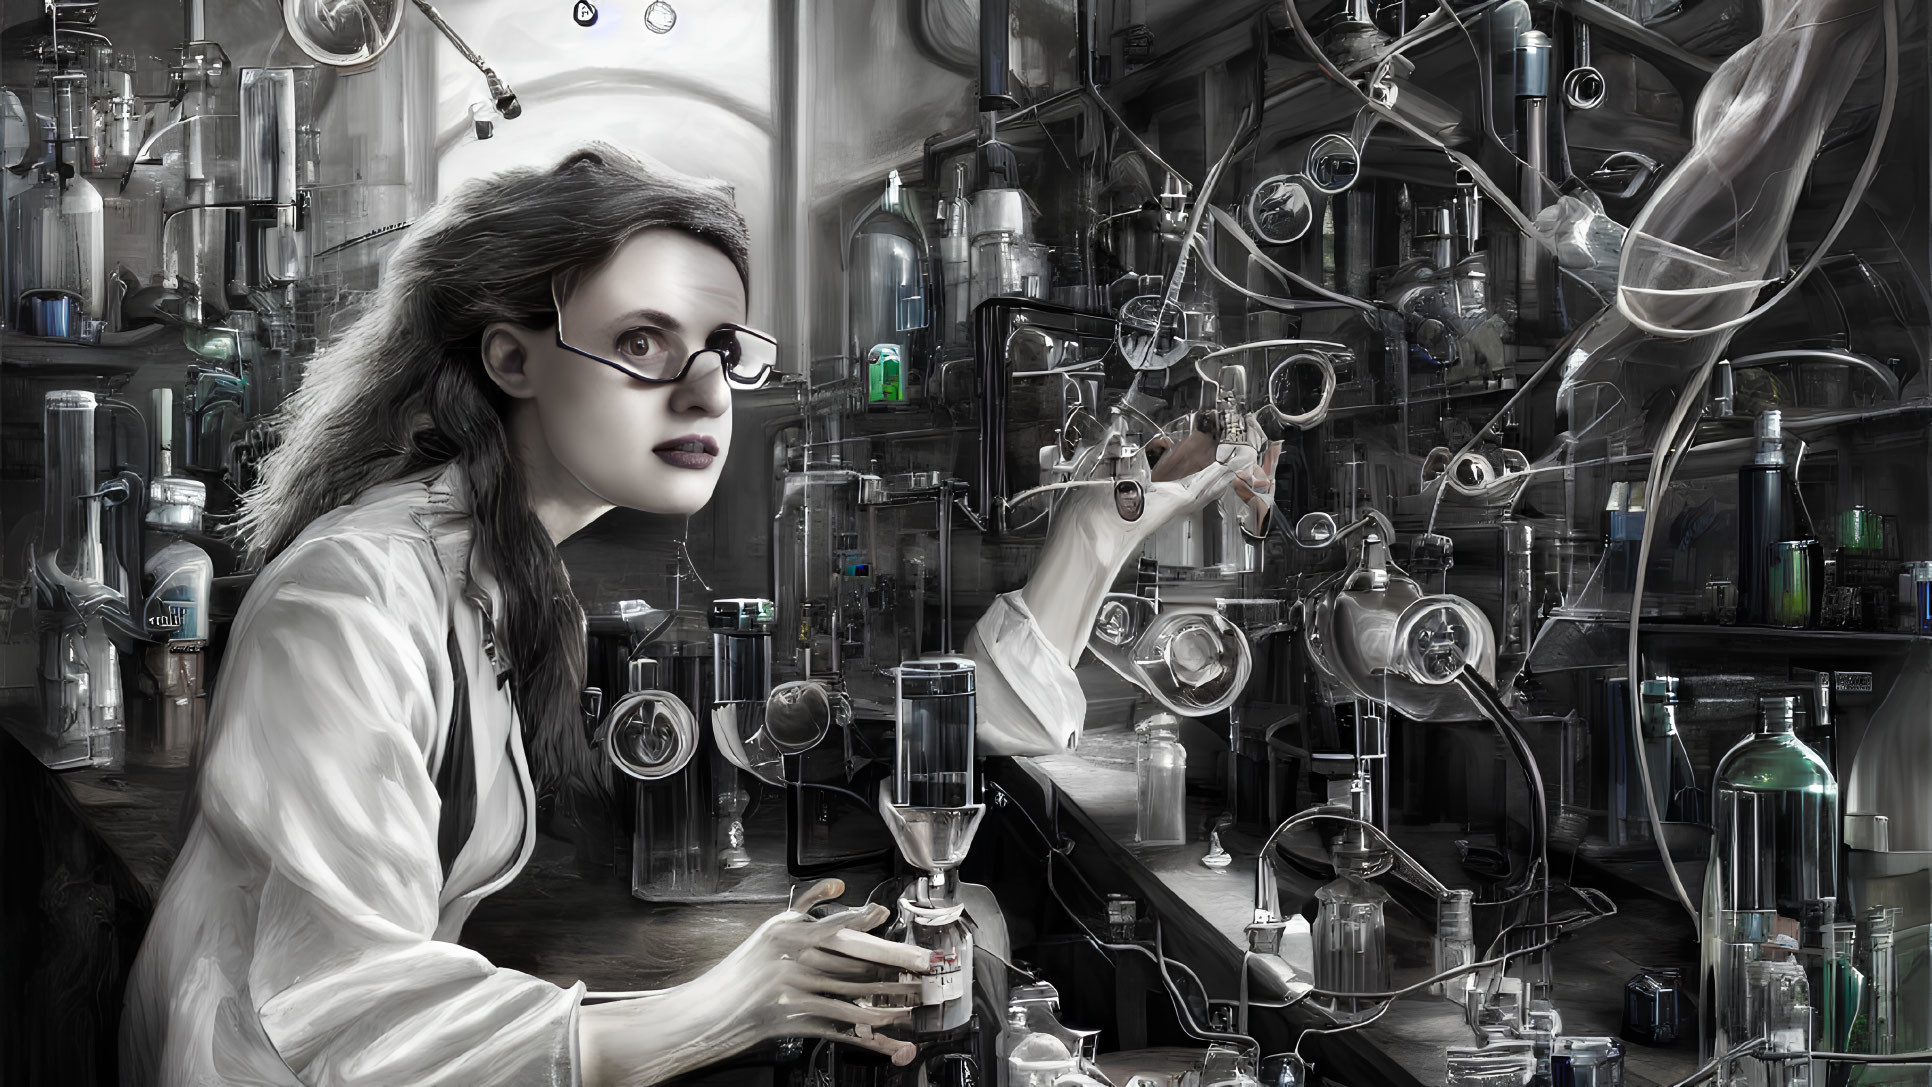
point(642, 344)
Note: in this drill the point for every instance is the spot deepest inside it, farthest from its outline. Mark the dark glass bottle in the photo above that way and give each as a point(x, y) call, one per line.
point(1766, 514)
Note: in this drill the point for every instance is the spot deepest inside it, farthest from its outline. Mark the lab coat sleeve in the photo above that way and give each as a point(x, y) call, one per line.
point(317, 772)
point(1029, 700)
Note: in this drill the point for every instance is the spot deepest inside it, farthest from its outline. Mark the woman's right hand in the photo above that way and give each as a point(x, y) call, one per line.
point(794, 976)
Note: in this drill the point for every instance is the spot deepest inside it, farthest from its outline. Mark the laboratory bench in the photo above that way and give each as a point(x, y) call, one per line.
point(565, 921)
point(1087, 803)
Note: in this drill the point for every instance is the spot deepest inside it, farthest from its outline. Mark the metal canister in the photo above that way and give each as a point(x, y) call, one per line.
point(1791, 583)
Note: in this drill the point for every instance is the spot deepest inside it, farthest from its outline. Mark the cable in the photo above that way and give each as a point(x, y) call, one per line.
point(1346, 1027)
point(1287, 305)
point(1465, 968)
point(1711, 1066)
point(1228, 223)
point(1201, 206)
point(1661, 469)
point(1860, 183)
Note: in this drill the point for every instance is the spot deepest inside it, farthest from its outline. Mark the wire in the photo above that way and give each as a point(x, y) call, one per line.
point(1661, 469)
point(1346, 1027)
point(1228, 223)
point(1466, 968)
point(1288, 305)
point(1856, 196)
point(1201, 206)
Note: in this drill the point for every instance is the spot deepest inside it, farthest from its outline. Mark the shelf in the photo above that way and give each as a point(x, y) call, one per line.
point(1685, 628)
point(1574, 643)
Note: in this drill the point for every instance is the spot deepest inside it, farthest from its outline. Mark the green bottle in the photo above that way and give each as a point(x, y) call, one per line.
point(884, 375)
point(1774, 858)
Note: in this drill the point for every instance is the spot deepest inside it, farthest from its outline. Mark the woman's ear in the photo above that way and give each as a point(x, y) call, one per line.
point(507, 350)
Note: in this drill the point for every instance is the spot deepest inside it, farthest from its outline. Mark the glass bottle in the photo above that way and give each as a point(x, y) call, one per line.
point(886, 290)
point(1774, 857)
point(180, 579)
point(1160, 769)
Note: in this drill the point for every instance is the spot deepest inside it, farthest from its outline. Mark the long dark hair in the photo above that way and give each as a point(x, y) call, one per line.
point(404, 389)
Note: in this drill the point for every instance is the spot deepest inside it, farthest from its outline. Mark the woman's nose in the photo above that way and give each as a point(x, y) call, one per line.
point(704, 390)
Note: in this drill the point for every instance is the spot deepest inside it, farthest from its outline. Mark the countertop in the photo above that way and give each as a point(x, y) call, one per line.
point(1096, 787)
point(557, 922)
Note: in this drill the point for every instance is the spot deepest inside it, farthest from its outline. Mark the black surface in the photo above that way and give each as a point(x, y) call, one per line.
point(72, 916)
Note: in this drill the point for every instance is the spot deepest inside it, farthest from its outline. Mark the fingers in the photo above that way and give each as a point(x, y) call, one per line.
point(900, 1052)
point(833, 964)
point(825, 890)
point(843, 1011)
point(877, 990)
point(859, 945)
point(869, 916)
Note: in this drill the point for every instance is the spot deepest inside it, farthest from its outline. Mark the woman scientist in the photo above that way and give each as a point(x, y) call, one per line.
point(402, 678)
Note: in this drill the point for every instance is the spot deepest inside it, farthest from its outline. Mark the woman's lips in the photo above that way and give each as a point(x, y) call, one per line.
point(689, 451)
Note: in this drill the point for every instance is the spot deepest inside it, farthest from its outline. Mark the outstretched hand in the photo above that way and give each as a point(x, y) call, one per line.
point(795, 976)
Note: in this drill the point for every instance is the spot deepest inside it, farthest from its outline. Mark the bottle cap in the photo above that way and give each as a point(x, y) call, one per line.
point(1776, 713)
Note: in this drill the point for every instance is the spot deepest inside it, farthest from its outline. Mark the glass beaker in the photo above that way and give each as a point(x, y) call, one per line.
point(935, 734)
point(1351, 949)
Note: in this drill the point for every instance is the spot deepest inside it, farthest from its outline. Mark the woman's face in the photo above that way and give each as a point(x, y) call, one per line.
point(656, 448)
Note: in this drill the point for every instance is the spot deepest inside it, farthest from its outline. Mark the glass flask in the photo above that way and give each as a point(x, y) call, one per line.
point(1351, 948)
point(935, 734)
point(887, 289)
point(1774, 857)
point(1160, 769)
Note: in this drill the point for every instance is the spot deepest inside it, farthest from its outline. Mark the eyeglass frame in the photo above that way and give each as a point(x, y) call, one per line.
point(690, 360)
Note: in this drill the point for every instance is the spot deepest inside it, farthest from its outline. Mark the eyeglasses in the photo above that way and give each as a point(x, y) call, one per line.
point(746, 355)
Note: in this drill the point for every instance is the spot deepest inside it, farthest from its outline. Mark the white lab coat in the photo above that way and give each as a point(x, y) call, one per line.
point(306, 933)
point(1027, 696)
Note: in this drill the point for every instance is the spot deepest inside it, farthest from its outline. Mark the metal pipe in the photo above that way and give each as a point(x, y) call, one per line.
point(994, 94)
point(504, 98)
point(946, 566)
point(1871, 366)
point(1532, 145)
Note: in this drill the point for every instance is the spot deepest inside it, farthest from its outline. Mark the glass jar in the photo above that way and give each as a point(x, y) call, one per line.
point(1160, 769)
point(935, 734)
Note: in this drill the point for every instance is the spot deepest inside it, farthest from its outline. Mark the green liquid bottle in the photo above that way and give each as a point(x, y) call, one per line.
point(1774, 857)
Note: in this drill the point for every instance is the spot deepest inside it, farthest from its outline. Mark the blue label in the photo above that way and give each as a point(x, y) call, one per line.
point(178, 615)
